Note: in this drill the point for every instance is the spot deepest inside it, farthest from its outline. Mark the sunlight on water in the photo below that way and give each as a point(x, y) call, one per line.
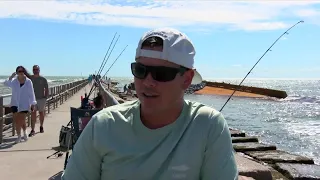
point(293, 124)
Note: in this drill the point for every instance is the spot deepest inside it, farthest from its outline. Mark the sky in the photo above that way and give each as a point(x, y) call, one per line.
point(71, 38)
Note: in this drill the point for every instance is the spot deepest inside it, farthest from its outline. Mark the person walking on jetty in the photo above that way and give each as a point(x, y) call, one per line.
point(41, 90)
point(160, 136)
point(22, 100)
point(109, 83)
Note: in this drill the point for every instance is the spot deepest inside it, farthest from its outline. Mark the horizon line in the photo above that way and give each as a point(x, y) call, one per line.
point(208, 79)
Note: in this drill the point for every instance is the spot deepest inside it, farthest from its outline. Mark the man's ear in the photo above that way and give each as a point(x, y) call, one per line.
point(188, 75)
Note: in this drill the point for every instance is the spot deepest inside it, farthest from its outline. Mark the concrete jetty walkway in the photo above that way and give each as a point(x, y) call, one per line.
point(28, 160)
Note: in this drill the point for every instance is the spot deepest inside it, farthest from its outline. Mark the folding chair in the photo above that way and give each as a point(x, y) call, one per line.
point(80, 118)
point(69, 134)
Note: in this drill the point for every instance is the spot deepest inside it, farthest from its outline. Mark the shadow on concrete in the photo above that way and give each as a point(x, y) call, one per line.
point(6, 145)
point(59, 152)
point(8, 142)
point(59, 148)
point(26, 150)
point(56, 176)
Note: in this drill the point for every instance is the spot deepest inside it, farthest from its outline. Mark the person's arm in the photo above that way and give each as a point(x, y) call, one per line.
point(219, 161)
point(32, 96)
point(46, 86)
point(85, 161)
point(9, 82)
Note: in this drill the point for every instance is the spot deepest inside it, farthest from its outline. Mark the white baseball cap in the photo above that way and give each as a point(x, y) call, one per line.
point(177, 48)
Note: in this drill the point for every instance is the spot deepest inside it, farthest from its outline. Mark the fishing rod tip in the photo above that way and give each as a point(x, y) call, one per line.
point(302, 21)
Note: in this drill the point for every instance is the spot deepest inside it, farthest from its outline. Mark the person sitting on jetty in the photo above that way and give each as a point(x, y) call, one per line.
point(22, 100)
point(161, 135)
point(125, 88)
point(98, 101)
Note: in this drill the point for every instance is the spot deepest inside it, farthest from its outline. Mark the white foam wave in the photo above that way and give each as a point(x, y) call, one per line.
point(302, 99)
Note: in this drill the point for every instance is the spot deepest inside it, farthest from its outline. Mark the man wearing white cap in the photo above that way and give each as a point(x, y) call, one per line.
point(161, 136)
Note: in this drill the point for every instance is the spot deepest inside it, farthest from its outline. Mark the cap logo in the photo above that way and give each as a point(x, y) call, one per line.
point(157, 34)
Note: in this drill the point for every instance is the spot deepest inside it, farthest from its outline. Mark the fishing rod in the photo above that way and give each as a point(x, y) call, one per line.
point(269, 49)
point(85, 100)
point(99, 73)
point(104, 62)
point(106, 53)
point(110, 54)
point(104, 59)
point(115, 61)
point(112, 64)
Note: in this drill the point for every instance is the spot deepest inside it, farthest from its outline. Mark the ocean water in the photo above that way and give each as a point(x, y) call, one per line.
point(292, 124)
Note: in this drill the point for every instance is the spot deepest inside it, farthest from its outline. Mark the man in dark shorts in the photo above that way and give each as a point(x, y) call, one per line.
point(41, 91)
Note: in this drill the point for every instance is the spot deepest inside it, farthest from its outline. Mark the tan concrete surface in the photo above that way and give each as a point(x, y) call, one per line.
point(28, 160)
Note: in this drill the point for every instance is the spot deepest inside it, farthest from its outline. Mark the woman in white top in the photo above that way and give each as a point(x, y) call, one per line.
point(22, 100)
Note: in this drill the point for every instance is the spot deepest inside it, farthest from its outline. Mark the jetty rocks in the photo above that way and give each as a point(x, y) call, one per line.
point(266, 162)
point(195, 87)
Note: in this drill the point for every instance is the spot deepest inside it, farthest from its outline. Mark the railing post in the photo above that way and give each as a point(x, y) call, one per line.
point(1, 119)
point(48, 105)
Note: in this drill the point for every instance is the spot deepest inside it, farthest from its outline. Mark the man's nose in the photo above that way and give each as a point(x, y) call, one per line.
point(149, 81)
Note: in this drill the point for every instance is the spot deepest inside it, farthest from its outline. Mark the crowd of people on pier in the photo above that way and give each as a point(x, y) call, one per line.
point(29, 94)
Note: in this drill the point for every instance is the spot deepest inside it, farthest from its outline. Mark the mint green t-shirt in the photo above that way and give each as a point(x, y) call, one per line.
point(115, 145)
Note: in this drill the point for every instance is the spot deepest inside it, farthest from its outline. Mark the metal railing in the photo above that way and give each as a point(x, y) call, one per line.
point(109, 99)
point(57, 95)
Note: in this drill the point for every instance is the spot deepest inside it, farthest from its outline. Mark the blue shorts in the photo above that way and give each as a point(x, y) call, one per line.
point(14, 109)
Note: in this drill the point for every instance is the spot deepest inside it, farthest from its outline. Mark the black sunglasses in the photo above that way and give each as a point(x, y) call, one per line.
point(158, 73)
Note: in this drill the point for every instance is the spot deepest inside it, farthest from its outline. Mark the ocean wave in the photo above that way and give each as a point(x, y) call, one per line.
point(56, 80)
point(302, 99)
point(2, 80)
point(294, 98)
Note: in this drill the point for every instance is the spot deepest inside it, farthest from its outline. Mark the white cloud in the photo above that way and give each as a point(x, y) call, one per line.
point(312, 15)
point(247, 15)
point(308, 13)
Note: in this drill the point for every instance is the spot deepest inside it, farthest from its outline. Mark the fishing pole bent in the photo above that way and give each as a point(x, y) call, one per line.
point(269, 49)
